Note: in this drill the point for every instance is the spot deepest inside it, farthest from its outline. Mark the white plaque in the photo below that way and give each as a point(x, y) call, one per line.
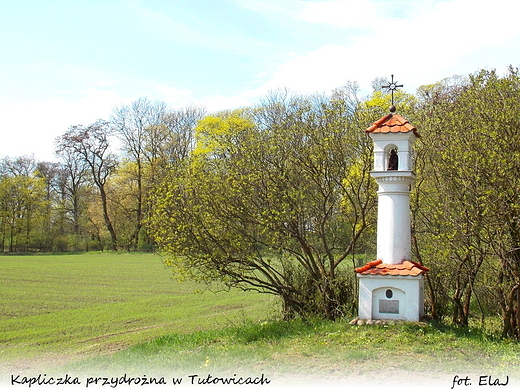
point(389, 306)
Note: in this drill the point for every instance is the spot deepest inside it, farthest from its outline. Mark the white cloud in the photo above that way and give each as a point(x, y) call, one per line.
point(434, 40)
point(31, 128)
point(272, 8)
point(173, 97)
point(316, 71)
point(184, 28)
point(217, 103)
point(342, 13)
point(418, 41)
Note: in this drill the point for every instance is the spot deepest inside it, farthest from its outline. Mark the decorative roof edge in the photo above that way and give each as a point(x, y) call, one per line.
point(367, 266)
point(392, 123)
point(406, 268)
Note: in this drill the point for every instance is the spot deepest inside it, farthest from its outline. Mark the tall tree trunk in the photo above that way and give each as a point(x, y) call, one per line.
point(108, 222)
point(510, 320)
point(134, 239)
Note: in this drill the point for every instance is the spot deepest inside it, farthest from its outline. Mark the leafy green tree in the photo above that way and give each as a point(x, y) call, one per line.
point(166, 145)
point(466, 219)
point(273, 199)
point(22, 210)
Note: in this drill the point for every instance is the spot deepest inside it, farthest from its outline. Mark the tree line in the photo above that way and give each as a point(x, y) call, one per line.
point(96, 195)
point(278, 197)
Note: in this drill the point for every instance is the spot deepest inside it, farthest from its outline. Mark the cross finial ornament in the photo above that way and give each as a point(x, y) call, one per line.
point(392, 86)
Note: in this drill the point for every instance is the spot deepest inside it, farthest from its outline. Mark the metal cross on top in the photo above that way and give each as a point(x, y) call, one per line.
point(392, 86)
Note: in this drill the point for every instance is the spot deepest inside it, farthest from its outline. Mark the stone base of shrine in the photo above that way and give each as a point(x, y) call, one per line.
point(388, 297)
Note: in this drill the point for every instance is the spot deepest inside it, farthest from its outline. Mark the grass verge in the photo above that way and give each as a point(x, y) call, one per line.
point(317, 348)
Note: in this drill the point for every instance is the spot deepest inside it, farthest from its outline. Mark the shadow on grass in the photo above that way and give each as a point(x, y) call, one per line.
point(43, 254)
point(467, 332)
point(274, 330)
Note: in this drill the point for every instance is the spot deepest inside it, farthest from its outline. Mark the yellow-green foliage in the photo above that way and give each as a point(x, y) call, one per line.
point(272, 199)
point(214, 133)
point(466, 204)
point(22, 210)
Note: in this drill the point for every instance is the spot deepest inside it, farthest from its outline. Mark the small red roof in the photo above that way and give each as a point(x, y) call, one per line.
point(406, 268)
point(392, 123)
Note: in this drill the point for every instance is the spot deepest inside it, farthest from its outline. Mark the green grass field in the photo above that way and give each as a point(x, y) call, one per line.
point(60, 308)
point(115, 314)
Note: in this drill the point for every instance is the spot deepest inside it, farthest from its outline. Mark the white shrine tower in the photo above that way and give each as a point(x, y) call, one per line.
point(392, 287)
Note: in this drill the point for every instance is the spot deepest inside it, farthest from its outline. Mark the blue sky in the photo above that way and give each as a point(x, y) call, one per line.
point(68, 62)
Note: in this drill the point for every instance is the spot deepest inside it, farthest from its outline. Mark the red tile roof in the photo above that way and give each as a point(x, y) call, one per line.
point(406, 268)
point(392, 123)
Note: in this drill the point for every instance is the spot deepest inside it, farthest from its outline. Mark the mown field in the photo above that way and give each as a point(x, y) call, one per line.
point(123, 314)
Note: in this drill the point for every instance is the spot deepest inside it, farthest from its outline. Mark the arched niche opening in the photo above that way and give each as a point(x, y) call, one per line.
point(388, 302)
point(391, 158)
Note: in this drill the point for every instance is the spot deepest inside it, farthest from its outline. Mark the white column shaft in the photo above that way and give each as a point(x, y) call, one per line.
point(393, 219)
